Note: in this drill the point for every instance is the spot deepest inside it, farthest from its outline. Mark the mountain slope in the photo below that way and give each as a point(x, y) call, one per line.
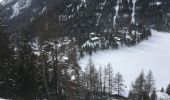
point(19, 13)
point(106, 13)
point(124, 21)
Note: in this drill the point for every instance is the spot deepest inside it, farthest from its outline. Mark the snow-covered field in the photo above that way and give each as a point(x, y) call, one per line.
point(152, 54)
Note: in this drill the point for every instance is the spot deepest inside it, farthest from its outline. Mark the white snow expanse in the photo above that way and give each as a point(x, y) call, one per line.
point(162, 96)
point(152, 54)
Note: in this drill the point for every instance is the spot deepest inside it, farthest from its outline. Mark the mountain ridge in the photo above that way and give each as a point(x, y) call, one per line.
point(124, 22)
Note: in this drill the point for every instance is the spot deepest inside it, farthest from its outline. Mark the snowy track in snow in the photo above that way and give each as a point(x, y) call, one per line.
point(152, 54)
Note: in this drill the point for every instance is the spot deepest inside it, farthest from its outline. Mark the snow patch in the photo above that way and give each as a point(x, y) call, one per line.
point(5, 2)
point(133, 12)
point(44, 9)
point(158, 3)
point(19, 6)
point(2, 99)
point(116, 12)
point(162, 96)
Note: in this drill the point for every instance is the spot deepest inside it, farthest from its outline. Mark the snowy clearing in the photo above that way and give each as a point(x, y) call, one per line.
point(152, 54)
point(162, 96)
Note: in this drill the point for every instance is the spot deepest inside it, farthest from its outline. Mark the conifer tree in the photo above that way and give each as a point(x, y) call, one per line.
point(91, 78)
point(8, 73)
point(109, 78)
point(28, 88)
point(162, 90)
point(149, 82)
point(153, 95)
point(168, 90)
point(119, 83)
point(138, 86)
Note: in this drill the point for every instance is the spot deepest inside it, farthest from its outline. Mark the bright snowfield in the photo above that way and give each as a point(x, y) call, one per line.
point(152, 54)
point(162, 96)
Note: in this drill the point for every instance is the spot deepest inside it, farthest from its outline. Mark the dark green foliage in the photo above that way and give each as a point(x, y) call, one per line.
point(8, 69)
point(138, 87)
point(168, 90)
point(27, 71)
point(153, 95)
point(149, 85)
point(162, 90)
point(142, 87)
point(119, 83)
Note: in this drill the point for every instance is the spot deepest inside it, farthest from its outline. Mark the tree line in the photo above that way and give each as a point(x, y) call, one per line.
point(100, 84)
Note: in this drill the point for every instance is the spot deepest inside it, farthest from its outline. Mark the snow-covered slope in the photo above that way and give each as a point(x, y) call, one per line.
point(162, 96)
point(2, 99)
point(5, 2)
point(19, 6)
point(152, 54)
point(19, 13)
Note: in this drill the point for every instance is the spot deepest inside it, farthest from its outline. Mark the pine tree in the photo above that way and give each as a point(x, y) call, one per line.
point(149, 83)
point(168, 90)
point(153, 95)
point(43, 74)
point(138, 86)
point(109, 78)
point(162, 90)
point(8, 69)
point(91, 78)
point(131, 95)
point(28, 88)
point(105, 80)
point(119, 83)
point(100, 79)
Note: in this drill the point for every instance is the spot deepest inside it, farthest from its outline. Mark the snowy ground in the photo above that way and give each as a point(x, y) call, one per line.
point(152, 54)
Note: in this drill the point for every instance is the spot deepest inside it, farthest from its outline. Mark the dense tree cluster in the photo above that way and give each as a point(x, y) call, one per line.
point(36, 71)
point(7, 65)
point(112, 40)
point(143, 87)
point(168, 89)
point(79, 19)
point(101, 83)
